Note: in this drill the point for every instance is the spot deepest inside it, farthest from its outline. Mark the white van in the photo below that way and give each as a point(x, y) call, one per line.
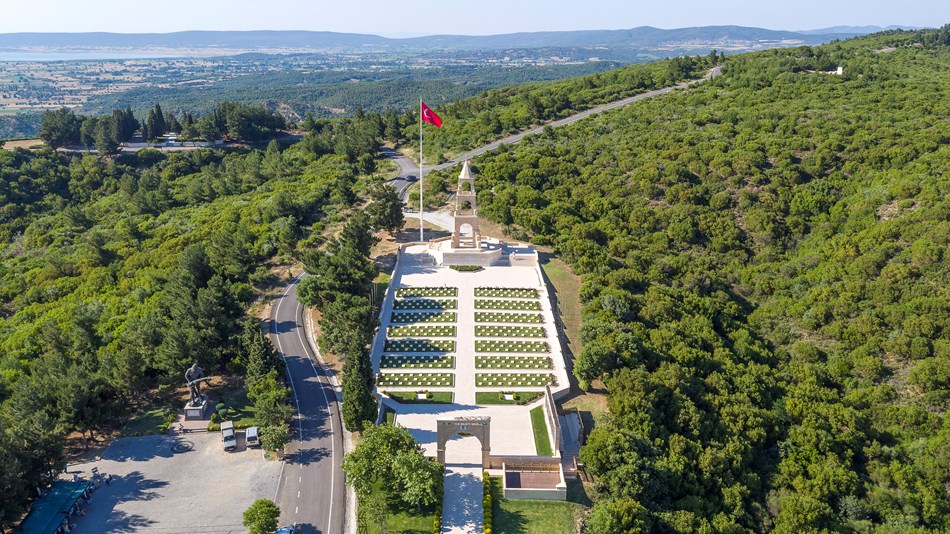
point(227, 434)
point(251, 437)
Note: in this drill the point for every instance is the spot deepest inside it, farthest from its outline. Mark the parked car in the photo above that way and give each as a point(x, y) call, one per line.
point(251, 437)
point(227, 434)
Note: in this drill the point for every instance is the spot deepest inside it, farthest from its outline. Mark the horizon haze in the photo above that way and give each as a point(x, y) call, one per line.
point(491, 17)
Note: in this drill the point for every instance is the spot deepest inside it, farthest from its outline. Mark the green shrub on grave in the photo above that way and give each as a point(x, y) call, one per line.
point(421, 292)
point(513, 362)
point(402, 361)
point(419, 345)
point(416, 380)
point(509, 331)
point(514, 379)
point(425, 304)
point(505, 317)
point(506, 292)
point(516, 305)
point(421, 331)
point(513, 346)
point(410, 317)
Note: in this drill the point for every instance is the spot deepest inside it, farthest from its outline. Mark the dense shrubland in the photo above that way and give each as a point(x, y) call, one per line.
point(118, 274)
point(475, 121)
point(765, 289)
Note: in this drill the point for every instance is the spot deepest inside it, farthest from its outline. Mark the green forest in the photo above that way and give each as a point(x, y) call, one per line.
point(765, 289)
point(119, 273)
point(763, 259)
point(320, 92)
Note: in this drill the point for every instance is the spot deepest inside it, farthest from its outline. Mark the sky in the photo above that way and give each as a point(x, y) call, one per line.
point(469, 17)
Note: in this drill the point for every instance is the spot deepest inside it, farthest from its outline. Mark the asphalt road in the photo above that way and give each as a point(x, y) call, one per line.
point(406, 168)
point(409, 168)
point(311, 491)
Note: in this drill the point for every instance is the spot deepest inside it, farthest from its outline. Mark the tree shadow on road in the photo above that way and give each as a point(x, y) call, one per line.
point(307, 456)
point(280, 327)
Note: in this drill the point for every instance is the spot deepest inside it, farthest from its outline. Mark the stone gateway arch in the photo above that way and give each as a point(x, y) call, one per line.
point(479, 427)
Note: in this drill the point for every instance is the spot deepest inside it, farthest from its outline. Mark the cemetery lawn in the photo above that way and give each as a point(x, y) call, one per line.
point(540, 427)
point(149, 422)
point(532, 517)
point(409, 397)
point(491, 397)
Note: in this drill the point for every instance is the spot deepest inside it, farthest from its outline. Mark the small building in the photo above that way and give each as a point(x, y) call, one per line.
point(534, 478)
point(52, 513)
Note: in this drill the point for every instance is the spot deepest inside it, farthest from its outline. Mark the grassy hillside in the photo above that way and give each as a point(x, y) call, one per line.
point(765, 289)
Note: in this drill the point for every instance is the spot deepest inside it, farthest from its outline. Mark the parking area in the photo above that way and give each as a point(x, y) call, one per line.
point(176, 483)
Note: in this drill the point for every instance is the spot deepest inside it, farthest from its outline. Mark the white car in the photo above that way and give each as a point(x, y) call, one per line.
point(227, 434)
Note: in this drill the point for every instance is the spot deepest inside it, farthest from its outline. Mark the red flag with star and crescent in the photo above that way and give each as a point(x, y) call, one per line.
point(429, 116)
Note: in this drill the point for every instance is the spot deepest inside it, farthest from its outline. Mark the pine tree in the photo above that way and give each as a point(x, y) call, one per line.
point(257, 353)
point(105, 137)
point(87, 132)
point(359, 406)
point(385, 211)
point(358, 233)
point(60, 127)
point(173, 124)
point(160, 125)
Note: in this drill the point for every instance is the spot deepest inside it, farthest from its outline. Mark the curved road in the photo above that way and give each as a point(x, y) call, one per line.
point(409, 168)
point(310, 492)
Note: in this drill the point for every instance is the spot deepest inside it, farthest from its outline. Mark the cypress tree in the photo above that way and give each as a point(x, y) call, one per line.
point(359, 406)
point(160, 125)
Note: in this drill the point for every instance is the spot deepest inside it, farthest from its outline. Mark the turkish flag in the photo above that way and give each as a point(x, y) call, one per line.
point(429, 116)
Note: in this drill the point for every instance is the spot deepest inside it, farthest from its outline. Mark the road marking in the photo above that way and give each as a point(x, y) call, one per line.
point(326, 400)
point(281, 350)
point(299, 480)
point(296, 509)
point(298, 494)
point(297, 402)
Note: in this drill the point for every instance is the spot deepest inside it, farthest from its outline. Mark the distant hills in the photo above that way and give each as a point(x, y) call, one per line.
point(644, 37)
point(857, 30)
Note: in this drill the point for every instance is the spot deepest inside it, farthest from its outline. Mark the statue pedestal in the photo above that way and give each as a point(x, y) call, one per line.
point(199, 412)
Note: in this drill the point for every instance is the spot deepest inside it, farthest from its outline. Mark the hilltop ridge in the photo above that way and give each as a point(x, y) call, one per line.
point(641, 37)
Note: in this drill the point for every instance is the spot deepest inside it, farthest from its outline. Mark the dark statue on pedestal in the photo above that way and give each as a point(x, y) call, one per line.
point(194, 376)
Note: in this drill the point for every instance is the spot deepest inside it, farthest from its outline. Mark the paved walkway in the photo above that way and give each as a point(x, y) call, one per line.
point(442, 219)
point(465, 345)
point(462, 504)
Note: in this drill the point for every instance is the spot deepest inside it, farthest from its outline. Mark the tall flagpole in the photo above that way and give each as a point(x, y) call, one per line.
point(421, 238)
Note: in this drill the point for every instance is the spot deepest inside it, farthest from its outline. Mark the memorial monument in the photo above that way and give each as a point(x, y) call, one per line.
point(467, 246)
point(198, 406)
